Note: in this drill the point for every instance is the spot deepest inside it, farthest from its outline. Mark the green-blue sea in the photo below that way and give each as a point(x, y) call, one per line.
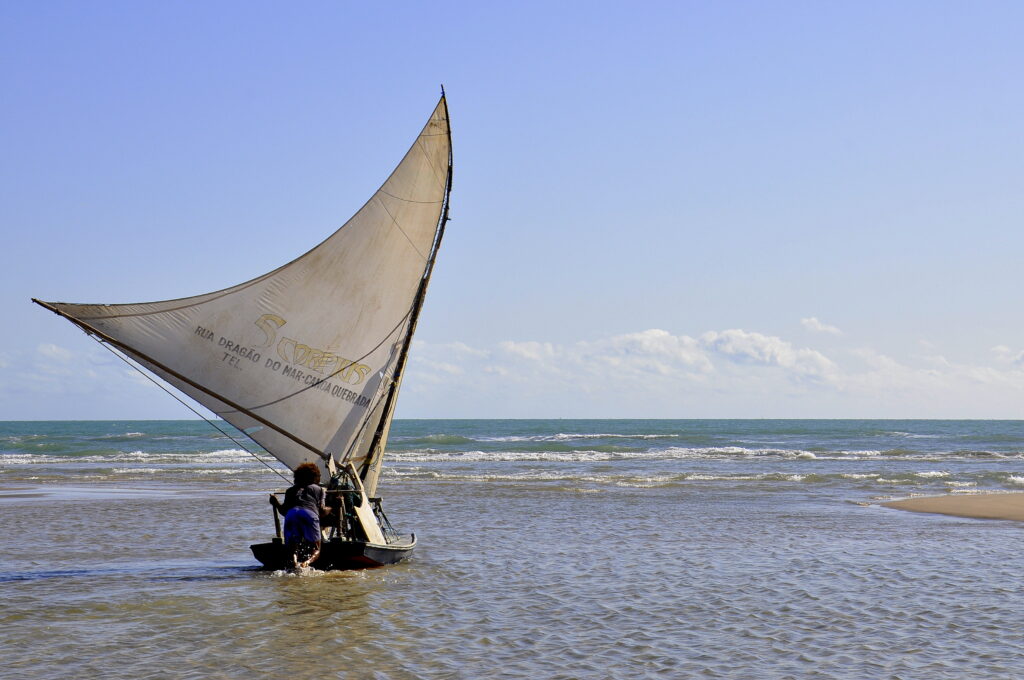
point(547, 549)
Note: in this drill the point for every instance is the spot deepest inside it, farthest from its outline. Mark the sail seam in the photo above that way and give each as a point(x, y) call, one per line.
point(430, 162)
point(407, 200)
point(235, 289)
point(399, 227)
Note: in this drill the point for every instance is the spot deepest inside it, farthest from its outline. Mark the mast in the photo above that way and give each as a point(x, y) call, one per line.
point(370, 469)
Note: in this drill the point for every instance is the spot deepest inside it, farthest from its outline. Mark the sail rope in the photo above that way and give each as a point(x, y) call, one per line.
point(321, 381)
point(381, 394)
point(189, 407)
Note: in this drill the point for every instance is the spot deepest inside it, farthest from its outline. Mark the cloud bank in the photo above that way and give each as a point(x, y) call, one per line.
point(727, 373)
point(653, 373)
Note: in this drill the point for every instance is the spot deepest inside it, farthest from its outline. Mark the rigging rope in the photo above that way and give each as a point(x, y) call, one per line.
point(321, 381)
point(189, 407)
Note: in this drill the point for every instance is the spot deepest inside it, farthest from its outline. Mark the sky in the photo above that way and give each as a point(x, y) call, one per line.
point(659, 209)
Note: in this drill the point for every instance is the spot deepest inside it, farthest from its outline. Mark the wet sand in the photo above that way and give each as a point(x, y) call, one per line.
point(979, 506)
point(18, 492)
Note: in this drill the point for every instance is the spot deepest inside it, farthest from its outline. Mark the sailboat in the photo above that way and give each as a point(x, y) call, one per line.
point(307, 360)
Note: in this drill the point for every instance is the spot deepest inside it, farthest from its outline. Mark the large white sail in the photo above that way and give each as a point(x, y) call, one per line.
point(306, 359)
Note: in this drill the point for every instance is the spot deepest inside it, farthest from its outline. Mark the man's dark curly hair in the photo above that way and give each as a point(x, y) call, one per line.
point(306, 474)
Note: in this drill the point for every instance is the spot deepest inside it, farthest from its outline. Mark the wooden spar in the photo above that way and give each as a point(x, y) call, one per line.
point(374, 452)
point(278, 536)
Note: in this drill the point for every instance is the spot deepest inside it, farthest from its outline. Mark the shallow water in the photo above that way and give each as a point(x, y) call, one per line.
point(548, 549)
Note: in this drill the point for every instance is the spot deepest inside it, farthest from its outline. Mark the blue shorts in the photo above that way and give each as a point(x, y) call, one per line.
point(301, 523)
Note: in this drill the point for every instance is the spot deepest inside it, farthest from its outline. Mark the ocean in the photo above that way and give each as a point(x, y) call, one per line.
point(547, 549)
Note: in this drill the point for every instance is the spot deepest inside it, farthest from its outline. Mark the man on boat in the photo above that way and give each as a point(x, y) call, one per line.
point(303, 506)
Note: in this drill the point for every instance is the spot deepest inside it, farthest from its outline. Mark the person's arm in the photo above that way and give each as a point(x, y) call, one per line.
point(289, 501)
point(324, 510)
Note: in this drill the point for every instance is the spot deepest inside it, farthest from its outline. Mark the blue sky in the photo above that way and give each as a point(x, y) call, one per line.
point(660, 209)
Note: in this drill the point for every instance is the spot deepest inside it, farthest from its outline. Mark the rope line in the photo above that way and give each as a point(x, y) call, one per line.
point(189, 407)
point(321, 381)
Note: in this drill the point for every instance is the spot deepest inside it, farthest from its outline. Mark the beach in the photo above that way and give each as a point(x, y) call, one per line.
point(546, 549)
point(1008, 506)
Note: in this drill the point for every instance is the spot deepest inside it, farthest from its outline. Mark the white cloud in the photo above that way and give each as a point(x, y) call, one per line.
point(54, 352)
point(652, 350)
point(745, 346)
point(535, 351)
point(59, 372)
point(648, 373)
point(457, 348)
point(1005, 354)
point(638, 373)
point(727, 373)
point(55, 382)
point(812, 324)
point(937, 381)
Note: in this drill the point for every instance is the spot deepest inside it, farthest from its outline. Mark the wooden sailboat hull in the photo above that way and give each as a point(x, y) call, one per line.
point(339, 554)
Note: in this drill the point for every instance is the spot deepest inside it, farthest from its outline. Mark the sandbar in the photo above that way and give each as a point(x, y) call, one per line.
point(978, 506)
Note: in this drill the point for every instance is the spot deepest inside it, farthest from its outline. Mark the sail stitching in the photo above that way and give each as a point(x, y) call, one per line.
point(430, 162)
point(407, 238)
point(407, 200)
point(235, 289)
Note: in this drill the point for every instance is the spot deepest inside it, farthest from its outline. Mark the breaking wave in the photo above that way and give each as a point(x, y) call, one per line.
point(670, 453)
